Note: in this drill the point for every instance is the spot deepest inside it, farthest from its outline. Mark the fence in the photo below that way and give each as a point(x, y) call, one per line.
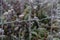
point(23, 29)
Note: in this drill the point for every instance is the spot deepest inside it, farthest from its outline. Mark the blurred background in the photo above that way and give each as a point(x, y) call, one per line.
point(29, 19)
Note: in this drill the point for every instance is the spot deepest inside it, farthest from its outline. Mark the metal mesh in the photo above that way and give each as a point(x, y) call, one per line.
point(25, 25)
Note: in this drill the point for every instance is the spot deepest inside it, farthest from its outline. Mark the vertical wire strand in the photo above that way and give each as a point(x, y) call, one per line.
point(1, 15)
point(30, 19)
point(51, 22)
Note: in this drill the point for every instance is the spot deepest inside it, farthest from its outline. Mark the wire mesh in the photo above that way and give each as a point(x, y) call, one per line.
point(22, 18)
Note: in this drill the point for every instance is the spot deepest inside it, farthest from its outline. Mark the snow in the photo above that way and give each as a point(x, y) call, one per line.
point(6, 13)
point(1, 30)
point(21, 15)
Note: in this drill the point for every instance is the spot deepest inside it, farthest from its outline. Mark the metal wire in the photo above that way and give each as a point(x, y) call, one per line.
point(29, 21)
